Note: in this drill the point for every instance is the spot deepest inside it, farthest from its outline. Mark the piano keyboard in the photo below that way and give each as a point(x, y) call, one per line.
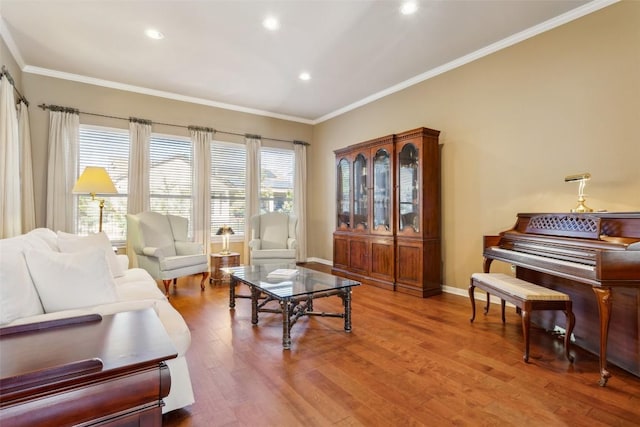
point(545, 259)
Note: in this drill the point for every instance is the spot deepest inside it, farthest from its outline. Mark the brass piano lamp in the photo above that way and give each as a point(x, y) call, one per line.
point(582, 178)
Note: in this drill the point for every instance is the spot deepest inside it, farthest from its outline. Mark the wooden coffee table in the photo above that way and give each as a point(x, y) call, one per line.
point(294, 294)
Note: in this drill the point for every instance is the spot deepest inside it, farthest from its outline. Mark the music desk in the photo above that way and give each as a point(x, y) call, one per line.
point(87, 370)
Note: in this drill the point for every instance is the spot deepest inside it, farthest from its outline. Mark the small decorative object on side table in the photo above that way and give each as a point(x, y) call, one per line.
point(220, 261)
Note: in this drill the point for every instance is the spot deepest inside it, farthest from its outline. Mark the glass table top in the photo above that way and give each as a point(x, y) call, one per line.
point(288, 280)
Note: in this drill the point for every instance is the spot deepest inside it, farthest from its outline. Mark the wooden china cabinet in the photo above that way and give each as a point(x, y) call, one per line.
point(388, 213)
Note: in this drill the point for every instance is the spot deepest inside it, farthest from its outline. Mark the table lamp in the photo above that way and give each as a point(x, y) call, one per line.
point(582, 178)
point(95, 180)
point(225, 232)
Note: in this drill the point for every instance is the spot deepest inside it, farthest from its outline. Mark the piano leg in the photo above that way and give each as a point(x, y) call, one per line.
point(571, 322)
point(604, 307)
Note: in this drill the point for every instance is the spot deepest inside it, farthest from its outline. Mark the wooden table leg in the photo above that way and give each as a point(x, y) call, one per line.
point(232, 292)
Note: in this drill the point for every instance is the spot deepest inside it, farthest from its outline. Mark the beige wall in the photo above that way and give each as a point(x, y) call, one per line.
point(513, 125)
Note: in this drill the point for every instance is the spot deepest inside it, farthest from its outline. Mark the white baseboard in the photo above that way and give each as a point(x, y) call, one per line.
point(448, 289)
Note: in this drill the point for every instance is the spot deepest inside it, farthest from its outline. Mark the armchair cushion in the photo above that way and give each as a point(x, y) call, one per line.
point(175, 262)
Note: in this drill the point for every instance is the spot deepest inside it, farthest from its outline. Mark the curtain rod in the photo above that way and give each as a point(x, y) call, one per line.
point(6, 73)
point(74, 110)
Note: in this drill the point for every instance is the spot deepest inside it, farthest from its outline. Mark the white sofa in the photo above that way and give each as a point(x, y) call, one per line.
point(47, 276)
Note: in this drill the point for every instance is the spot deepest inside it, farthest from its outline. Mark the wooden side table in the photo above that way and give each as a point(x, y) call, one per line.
point(220, 261)
point(86, 370)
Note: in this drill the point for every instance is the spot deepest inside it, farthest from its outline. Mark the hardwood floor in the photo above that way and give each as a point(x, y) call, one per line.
point(408, 361)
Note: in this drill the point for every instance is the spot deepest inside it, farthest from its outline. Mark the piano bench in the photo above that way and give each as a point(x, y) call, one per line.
point(527, 297)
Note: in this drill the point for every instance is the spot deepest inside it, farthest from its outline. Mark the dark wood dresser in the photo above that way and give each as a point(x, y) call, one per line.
point(88, 370)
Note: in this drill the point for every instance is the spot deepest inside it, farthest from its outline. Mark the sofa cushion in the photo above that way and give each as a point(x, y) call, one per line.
point(74, 243)
point(18, 296)
point(137, 284)
point(175, 326)
point(74, 280)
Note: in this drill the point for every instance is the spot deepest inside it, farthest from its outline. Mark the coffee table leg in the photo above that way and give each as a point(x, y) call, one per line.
point(254, 305)
point(347, 309)
point(232, 293)
point(286, 324)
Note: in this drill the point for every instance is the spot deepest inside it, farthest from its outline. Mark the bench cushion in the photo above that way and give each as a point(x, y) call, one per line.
point(519, 288)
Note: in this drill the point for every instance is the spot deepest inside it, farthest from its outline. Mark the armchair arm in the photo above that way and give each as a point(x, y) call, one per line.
point(154, 252)
point(188, 248)
point(292, 243)
point(254, 244)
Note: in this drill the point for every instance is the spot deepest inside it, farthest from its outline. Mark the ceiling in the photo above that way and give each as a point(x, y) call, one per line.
point(218, 53)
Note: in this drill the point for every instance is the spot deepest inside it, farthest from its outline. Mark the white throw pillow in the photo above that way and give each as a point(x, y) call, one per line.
point(18, 295)
point(73, 243)
point(71, 280)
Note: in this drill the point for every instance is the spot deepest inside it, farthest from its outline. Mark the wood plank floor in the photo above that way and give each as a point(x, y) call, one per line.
point(408, 362)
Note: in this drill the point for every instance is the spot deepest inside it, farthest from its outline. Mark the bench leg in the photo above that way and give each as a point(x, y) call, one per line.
point(472, 298)
point(526, 323)
point(571, 322)
point(486, 308)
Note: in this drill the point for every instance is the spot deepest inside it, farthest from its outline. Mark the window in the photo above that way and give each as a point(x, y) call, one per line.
point(228, 177)
point(171, 180)
point(171, 175)
point(276, 183)
point(108, 148)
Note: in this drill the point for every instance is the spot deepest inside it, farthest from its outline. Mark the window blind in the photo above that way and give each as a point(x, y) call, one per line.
point(228, 178)
point(108, 148)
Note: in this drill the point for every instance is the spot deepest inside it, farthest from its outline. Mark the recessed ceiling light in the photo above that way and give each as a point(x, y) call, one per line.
point(304, 76)
point(154, 34)
point(271, 23)
point(409, 7)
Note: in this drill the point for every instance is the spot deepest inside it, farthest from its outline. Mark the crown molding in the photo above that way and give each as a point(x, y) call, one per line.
point(159, 93)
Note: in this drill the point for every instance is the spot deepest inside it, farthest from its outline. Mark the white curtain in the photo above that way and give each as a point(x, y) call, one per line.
point(201, 139)
point(10, 219)
point(139, 136)
point(300, 198)
point(252, 187)
point(26, 169)
point(62, 169)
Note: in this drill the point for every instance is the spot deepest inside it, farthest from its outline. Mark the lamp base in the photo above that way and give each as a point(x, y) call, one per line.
point(581, 208)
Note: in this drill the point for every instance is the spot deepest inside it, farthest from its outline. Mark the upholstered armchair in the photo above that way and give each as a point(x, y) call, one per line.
point(161, 247)
point(273, 238)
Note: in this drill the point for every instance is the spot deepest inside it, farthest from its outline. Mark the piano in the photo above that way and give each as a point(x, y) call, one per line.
point(593, 257)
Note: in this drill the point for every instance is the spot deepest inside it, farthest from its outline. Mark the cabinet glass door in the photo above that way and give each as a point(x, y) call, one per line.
point(408, 188)
point(360, 199)
point(381, 190)
point(344, 194)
